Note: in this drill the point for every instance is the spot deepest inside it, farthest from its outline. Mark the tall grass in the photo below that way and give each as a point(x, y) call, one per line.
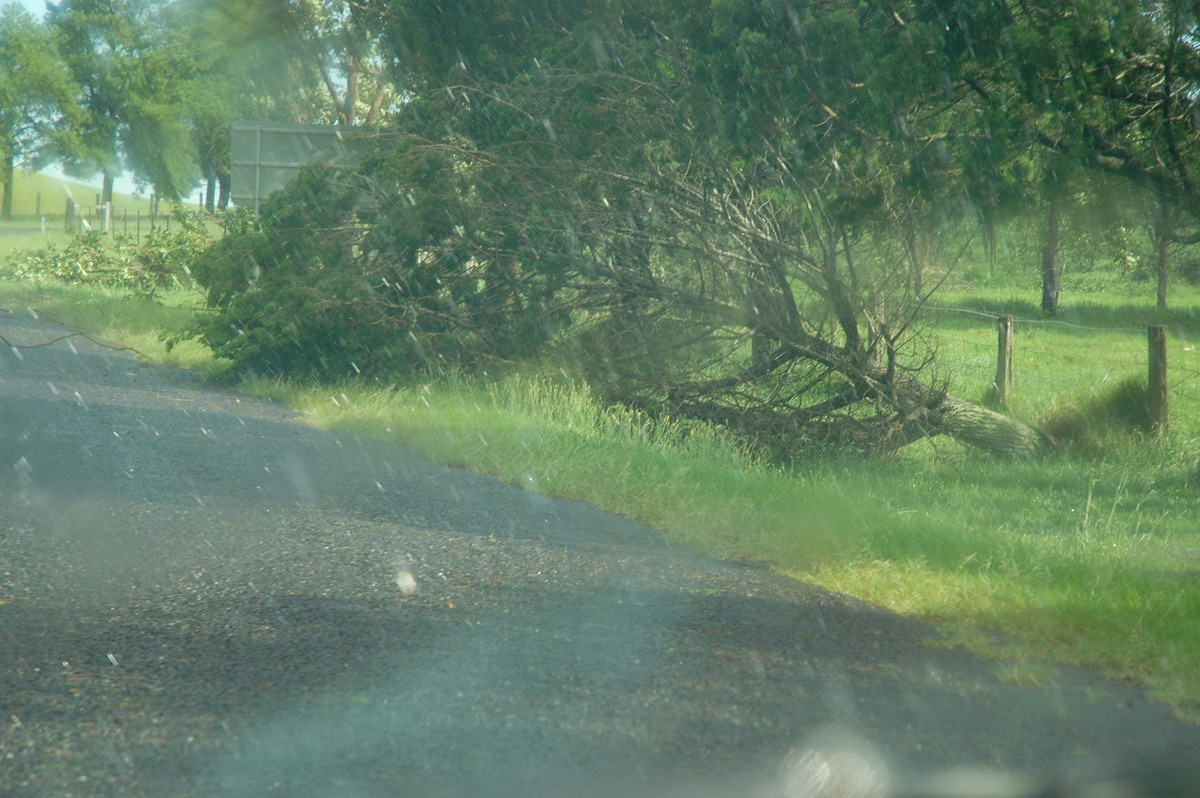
point(1072, 560)
point(552, 437)
point(114, 315)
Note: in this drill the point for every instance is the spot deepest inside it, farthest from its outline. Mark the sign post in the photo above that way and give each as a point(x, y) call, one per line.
point(266, 155)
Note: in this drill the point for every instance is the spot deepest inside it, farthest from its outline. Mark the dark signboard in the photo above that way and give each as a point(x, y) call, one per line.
point(266, 155)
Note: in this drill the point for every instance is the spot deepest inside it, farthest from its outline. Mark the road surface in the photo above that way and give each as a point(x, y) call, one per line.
point(199, 596)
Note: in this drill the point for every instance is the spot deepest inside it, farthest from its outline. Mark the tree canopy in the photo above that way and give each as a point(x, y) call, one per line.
point(716, 210)
point(34, 94)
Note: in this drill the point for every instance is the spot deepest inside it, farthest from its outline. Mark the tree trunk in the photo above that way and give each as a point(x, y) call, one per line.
point(932, 412)
point(223, 186)
point(993, 432)
point(1051, 273)
point(1164, 260)
point(988, 226)
point(921, 411)
point(1161, 233)
point(772, 307)
point(6, 177)
point(107, 191)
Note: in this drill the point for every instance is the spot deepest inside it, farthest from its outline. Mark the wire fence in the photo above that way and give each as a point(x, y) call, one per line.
point(1089, 357)
point(105, 218)
point(130, 217)
point(1036, 322)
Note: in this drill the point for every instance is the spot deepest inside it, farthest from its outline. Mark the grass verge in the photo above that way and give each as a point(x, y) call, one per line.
point(1087, 560)
point(116, 316)
point(1074, 560)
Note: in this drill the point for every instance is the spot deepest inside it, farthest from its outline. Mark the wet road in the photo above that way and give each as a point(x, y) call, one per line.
point(199, 596)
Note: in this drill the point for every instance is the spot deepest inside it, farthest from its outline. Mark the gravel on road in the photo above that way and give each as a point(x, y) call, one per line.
point(202, 596)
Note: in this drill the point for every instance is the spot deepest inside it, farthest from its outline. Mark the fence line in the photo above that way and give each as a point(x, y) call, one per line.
point(1158, 385)
point(1057, 322)
point(102, 218)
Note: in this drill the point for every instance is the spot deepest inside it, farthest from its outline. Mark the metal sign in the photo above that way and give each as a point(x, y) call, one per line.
point(266, 155)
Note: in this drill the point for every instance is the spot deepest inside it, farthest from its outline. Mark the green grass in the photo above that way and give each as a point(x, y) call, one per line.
point(1096, 343)
point(1077, 561)
point(21, 234)
point(553, 438)
point(39, 205)
point(1087, 558)
point(117, 317)
point(36, 194)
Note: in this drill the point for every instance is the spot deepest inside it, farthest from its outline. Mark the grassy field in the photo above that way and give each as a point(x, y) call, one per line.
point(1087, 558)
point(39, 207)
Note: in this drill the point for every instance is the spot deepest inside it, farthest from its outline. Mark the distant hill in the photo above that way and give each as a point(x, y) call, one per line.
point(38, 194)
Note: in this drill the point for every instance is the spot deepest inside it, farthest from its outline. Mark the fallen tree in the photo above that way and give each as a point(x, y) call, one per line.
point(744, 266)
point(709, 218)
point(774, 306)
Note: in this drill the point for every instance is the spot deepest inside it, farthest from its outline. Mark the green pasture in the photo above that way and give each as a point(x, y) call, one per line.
point(1068, 364)
point(39, 208)
point(1088, 557)
point(36, 194)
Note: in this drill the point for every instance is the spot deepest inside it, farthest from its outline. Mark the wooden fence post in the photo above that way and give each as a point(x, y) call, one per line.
point(1159, 416)
point(1002, 387)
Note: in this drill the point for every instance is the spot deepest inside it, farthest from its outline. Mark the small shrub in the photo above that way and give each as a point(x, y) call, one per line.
point(338, 281)
point(1123, 409)
point(161, 260)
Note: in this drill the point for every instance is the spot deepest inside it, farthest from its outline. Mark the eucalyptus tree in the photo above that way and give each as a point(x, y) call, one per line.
point(130, 95)
point(304, 61)
point(299, 60)
point(35, 95)
point(221, 81)
point(1105, 85)
point(341, 38)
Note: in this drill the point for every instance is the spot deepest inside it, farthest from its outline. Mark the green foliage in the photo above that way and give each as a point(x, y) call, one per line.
point(238, 221)
point(162, 259)
point(168, 250)
point(34, 90)
point(374, 272)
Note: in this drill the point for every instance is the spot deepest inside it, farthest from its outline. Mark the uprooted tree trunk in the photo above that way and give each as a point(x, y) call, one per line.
point(988, 430)
point(913, 411)
point(969, 423)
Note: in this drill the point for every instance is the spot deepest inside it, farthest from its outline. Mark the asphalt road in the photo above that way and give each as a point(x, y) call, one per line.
point(199, 596)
